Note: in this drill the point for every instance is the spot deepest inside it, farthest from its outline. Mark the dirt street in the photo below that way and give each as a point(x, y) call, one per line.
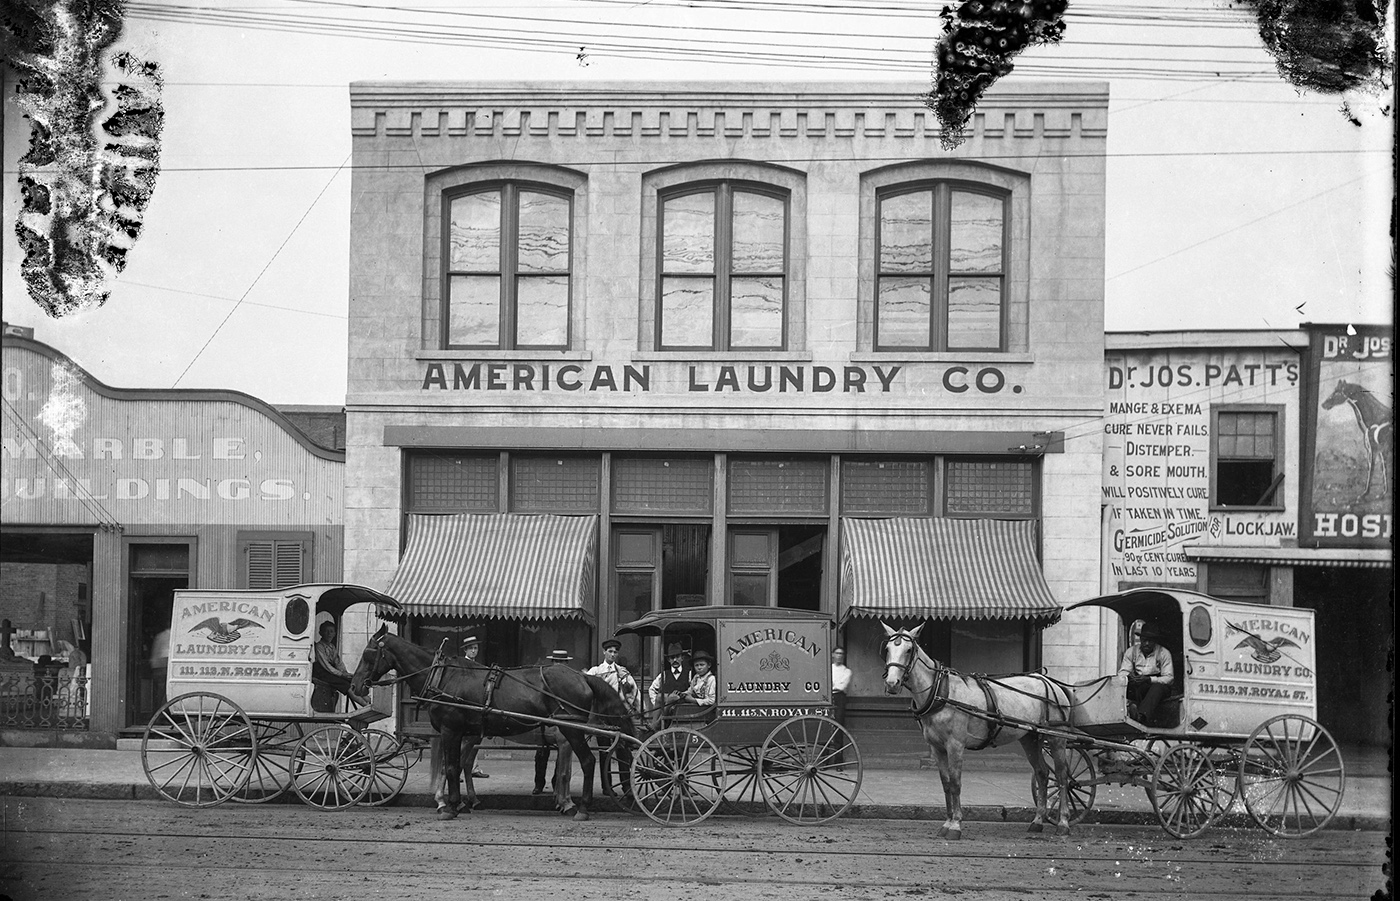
point(55, 849)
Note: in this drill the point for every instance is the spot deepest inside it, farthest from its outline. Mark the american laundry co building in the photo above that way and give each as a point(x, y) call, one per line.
point(618, 348)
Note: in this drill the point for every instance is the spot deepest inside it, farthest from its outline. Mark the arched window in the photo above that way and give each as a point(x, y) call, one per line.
point(508, 254)
point(723, 267)
point(941, 267)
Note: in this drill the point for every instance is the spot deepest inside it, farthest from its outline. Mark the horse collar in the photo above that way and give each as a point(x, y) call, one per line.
point(937, 695)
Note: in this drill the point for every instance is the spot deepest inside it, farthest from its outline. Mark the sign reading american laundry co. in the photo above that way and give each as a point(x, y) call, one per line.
point(753, 378)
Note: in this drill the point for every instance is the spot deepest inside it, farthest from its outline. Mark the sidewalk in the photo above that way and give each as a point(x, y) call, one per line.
point(996, 785)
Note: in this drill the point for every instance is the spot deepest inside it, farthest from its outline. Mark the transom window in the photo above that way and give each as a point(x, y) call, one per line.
point(508, 264)
point(941, 279)
point(723, 269)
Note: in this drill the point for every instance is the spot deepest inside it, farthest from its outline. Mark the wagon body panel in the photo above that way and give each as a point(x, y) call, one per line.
point(1238, 665)
point(256, 647)
point(773, 663)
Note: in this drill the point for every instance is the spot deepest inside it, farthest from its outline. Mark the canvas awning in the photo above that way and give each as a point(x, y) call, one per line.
point(507, 565)
point(943, 569)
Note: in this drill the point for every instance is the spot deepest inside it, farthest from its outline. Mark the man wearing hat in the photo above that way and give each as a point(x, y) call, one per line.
point(551, 742)
point(1148, 667)
point(669, 687)
point(616, 675)
point(471, 650)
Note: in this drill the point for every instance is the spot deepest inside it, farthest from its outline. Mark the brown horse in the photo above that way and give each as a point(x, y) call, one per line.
point(553, 692)
point(1376, 422)
point(960, 713)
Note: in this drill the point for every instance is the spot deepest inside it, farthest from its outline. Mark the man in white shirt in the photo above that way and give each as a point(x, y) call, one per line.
point(1148, 667)
point(616, 675)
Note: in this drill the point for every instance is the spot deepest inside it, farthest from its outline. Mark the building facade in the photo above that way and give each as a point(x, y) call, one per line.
point(111, 499)
point(1255, 466)
point(625, 347)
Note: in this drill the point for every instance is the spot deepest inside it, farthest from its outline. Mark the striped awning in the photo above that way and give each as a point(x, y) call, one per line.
point(943, 569)
point(1342, 558)
point(508, 566)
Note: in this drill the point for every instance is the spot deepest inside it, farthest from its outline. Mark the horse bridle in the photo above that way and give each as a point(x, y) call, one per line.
point(905, 667)
point(379, 652)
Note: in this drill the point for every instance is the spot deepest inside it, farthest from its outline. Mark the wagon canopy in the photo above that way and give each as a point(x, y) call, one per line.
point(510, 566)
point(943, 569)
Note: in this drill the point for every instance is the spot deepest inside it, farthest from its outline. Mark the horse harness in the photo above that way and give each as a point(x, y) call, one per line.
point(937, 698)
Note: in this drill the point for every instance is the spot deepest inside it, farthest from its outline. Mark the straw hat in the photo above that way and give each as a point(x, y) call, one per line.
point(558, 656)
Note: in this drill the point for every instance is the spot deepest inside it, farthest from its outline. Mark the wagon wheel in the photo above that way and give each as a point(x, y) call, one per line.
point(268, 776)
point(332, 767)
point(678, 777)
point(1187, 793)
point(1079, 781)
point(392, 758)
point(197, 749)
point(1292, 776)
point(809, 770)
point(743, 793)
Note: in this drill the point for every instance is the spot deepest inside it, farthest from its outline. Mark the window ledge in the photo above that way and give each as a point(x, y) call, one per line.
point(487, 354)
point(721, 356)
point(941, 356)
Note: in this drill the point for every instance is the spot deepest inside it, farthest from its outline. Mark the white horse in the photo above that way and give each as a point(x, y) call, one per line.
point(968, 713)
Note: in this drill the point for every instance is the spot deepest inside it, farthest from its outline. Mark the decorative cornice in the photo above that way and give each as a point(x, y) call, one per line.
point(878, 110)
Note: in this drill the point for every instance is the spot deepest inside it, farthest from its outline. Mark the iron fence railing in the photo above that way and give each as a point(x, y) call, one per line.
point(45, 698)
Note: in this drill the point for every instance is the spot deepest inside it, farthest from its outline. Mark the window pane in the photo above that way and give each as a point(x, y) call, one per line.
point(906, 233)
point(758, 233)
point(974, 313)
point(560, 484)
point(1002, 486)
point(687, 312)
point(633, 596)
point(688, 225)
point(476, 233)
point(904, 315)
point(888, 487)
point(1244, 483)
point(756, 312)
point(453, 483)
point(544, 233)
point(751, 549)
point(636, 549)
point(474, 310)
point(975, 233)
point(542, 311)
point(647, 485)
point(750, 590)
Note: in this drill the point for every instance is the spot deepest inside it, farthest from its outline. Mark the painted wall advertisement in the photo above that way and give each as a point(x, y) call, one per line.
point(1157, 458)
point(1349, 438)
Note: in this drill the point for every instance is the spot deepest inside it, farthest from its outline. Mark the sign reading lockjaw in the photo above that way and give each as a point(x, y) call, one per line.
point(758, 379)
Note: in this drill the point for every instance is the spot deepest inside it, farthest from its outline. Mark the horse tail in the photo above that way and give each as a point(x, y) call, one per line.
point(608, 705)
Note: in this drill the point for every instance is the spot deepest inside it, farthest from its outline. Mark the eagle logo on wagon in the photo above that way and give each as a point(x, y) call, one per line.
point(225, 633)
point(1265, 651)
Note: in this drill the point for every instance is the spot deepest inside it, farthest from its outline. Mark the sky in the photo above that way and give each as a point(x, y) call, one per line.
point(1235, 201)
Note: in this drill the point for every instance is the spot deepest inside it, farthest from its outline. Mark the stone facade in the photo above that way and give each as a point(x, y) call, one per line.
point(831, 151)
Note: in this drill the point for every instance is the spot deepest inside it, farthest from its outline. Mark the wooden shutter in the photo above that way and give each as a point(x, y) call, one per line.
point(273, 565)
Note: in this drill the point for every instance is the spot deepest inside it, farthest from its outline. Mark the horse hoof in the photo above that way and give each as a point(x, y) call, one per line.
point(943, 832)
point(954, 834)
point(446, 813)
point(1062, 830)
point(1035, 827)
point(581, 816)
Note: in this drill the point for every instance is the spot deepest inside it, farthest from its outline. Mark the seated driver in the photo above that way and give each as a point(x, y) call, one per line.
point(328, 671)
point(1148, 667)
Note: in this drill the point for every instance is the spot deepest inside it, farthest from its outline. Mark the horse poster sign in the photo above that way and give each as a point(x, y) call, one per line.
point(1349, 438)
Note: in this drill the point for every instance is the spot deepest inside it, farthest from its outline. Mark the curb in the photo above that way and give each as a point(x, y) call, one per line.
point(515, 801)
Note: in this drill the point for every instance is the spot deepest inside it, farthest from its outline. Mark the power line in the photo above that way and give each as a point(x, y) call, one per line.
point(261, 272)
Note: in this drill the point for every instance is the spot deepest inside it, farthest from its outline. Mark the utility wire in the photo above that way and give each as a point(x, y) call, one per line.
point(262, 271)
point(94, 506)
